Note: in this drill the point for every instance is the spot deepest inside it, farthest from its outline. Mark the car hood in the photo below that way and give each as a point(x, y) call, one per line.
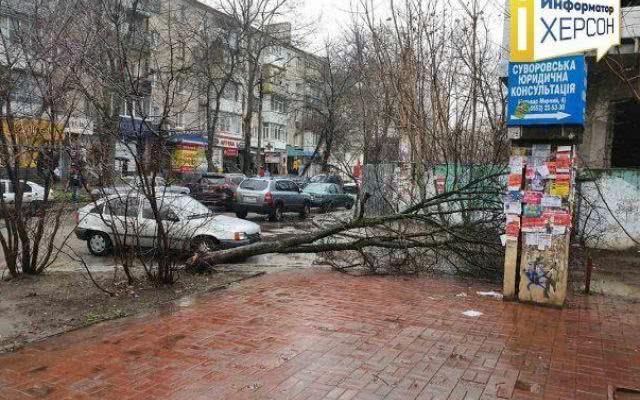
point(314, 192)
point(236, 224)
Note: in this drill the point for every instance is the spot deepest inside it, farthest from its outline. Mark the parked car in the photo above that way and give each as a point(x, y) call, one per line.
point(189, 223)
point(133, 183)
point(215, 190)
point(351, 189)
point(331, 178)
point(31, 192)
point(272, 197)
point(328, 196)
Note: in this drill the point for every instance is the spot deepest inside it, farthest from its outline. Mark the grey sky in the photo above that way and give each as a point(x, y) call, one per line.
point(330, 17)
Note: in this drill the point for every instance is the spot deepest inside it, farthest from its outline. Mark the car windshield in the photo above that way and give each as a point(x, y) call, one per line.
point(317, 188)
point(136, 181)
point(318, 179)
point(254, 184)
point(213, 181)
point(187, 207)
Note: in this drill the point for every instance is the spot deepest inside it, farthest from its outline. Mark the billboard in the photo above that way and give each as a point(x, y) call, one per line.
point(549, 92)
point(543, 29)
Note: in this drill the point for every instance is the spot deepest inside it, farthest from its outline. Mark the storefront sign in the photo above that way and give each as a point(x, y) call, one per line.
point(231, 152)
point(272, 158)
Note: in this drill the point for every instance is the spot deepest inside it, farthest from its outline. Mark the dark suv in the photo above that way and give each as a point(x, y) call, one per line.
point(215, 190)
point(272, 197)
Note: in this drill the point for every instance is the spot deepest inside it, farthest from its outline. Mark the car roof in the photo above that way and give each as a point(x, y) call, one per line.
point(269, 178)
point(135, 193)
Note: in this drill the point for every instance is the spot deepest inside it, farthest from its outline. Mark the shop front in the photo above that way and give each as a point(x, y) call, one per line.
point(135, 138)
point(37, 144)
point(230, 150)
point(188, 154)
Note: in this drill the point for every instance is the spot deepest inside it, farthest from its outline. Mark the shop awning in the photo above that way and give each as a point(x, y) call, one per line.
point(188, 139)
point(132, 128)
point(295, 151)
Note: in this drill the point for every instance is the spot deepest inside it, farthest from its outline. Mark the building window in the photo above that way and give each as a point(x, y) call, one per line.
point(274, 132)
point(231, 91)
point(229, 123)
point(625, 145)
point(278, 105)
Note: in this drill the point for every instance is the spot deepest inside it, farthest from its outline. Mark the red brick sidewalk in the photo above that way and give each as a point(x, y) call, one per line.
point(321, 335)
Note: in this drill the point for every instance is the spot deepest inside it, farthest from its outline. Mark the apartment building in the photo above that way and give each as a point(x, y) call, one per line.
point(210, 39)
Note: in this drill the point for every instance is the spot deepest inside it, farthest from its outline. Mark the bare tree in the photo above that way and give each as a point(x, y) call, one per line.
point(257, 24)
point(37, 99)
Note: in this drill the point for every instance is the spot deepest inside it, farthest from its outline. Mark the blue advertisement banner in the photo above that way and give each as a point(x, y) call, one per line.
point(552, 92)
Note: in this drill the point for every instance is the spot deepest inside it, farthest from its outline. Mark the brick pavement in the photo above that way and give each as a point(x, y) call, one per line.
point(322, 335)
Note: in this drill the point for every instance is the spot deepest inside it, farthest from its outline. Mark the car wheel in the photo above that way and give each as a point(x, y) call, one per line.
point(326, 207)
point(349, 206)
point(242, 214)
point(99, 244)
point(277, 214)
point(306, 210)
point(204, 245)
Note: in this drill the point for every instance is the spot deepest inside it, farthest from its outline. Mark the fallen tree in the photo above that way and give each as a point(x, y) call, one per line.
point(431, 227)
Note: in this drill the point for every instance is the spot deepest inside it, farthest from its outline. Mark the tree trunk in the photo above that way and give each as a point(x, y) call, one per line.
point(248, 123)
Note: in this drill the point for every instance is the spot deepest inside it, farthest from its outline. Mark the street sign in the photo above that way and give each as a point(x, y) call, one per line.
point(552, 92)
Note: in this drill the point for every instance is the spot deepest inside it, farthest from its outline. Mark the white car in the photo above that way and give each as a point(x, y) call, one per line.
point(129, 220)
point(32, 192)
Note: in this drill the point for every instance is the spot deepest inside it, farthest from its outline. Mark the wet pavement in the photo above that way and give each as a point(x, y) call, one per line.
point(316, 334)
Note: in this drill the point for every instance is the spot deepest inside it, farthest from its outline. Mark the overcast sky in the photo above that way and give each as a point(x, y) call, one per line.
point(332, 16)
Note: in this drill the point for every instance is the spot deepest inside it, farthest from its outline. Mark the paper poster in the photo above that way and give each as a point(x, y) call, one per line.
point(516, 164)
point(534, 224)
point(551, 201)
point(544, 241)
point(565, 149)
point(537, 184)
point(513, 227)
point(531, 172)
point(560, 189)
point(559, 230)
point(562, 219)
point(564, 163)
point(531, 239)
point(519, 151)
point(503, 240)
point(563, 178)
point(543, 171)
point(515, 196)
point(513, 208)
point(552, 167)
point(531, 197)
point(533, 211)
point(515, 182)
point(541, 150)
point(536, 162)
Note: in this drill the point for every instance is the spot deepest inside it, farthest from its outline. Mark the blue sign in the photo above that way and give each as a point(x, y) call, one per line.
point(552, 92)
